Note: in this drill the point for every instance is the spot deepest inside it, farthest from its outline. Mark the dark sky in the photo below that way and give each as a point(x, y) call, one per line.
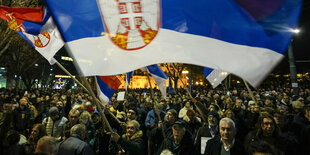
point(300, 44)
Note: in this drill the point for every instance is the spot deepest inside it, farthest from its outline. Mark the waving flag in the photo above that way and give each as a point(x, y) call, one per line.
point(160, 78)
point(215, 77)
point(106, 87)
point(128, 78)
point(37, 27)
point(247, 39)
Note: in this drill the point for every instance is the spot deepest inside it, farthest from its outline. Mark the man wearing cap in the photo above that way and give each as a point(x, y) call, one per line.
point(180, 142)
point(54, 123)
point(225, 144)
point(157, 132)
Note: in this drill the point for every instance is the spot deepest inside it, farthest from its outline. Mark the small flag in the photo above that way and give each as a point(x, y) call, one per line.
point(37, 27)
point(106, 87)
point(160, 78)
point(214, 76)
point(128, 78)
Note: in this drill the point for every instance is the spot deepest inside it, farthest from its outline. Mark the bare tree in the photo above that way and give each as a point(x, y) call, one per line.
point(16, 54)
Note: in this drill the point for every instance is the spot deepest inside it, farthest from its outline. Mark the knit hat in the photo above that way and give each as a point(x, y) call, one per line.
point(53, 111)
point(214, 114)
point(173, 112)
point(180, 123)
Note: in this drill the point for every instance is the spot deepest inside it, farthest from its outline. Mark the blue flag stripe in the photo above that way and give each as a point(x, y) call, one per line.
point(105, 89)
point(156, 70)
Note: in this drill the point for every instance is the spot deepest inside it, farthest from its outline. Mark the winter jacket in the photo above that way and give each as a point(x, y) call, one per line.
point(52, 128)
point(129, 146)
point(214, 147)
point(74, 146)
point(186, 146)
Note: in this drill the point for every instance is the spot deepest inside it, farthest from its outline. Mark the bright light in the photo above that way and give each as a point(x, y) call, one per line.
point(187, 78)
point(197, 83)
point(66, 58)
point(36, 65)
point(238, 81)
point(185, 72)
point(296, 31)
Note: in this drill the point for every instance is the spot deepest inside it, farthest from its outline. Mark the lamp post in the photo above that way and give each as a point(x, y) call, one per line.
point(293, 66)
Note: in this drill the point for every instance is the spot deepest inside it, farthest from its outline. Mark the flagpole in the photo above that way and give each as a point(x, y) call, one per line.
point(190, 95)
point(89, 91)
point(98, 104)
point(155, 105)
point(250, 91)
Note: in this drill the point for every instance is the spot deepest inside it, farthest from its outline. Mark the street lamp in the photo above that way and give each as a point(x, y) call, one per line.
point(293, 66)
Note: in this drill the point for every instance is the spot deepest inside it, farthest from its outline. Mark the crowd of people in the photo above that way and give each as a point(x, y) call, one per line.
point(213, 122)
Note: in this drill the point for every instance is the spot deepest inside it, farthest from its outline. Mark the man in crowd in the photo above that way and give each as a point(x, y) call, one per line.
point(130, 143)
point(225, 144)
point(180, 142)
point(75, 144)
point(54, 123)
point(47, 145)
point(73, 119)
point(267, 131)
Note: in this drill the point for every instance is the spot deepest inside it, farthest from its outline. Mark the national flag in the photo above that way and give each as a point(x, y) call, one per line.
point(247, 39)
point(128, 78)
point(106, 87)
point(37, 27)
point(214, 76)
point(160, 78)
point(170, 88)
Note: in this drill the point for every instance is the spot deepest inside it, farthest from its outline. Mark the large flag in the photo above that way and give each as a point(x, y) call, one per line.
point(106, 87)
point(160, 78)
point(37, 27)
point(214, 76)
point(247, 39)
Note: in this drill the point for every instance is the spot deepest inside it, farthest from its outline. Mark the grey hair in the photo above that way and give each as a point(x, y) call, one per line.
point(135, 124)
point(228, 120)
point(74, 111)
point(47, 142)
point(78, 129)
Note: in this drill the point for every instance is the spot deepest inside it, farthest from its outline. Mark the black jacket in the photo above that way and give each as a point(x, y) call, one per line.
point(134, 146)
point(74, 146)
point(214, 147)
point(185, 148)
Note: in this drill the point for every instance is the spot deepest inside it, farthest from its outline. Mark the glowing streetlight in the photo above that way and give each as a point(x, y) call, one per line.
point(296, 31)
point(185, 72)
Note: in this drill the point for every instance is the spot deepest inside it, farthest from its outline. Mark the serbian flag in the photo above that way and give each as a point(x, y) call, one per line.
point(106, 87)
point(247, 38)
point(128, 78)
point(37, 27)
point(160, 78)
point(214, 76)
